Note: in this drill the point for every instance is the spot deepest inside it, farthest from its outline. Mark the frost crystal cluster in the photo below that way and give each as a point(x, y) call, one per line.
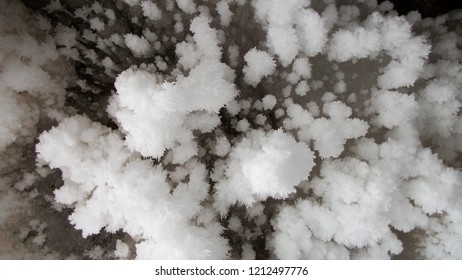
point(229, 129)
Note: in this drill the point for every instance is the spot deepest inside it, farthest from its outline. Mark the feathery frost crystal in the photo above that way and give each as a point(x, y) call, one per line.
point(241, 129)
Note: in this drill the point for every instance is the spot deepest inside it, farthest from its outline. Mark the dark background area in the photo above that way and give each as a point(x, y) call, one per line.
point(427, 8)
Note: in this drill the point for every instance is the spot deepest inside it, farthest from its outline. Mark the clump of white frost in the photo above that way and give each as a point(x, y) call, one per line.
point(277, 17)
point(439, 108)
point(222, 146)
point(269, 101)
point(329, 134)
point(138, 45)
point(187, 6)
point(283, 41)
point(122, 250)
point(259, 64)
point(102, 179)
point(302, 67)
point(389, 35)
point(408, 52)
point(151, 10)
point(357, 43)
point(393, 108)
point(224, 12)
point(153, 113)
point(263, 165)
point(312, 31)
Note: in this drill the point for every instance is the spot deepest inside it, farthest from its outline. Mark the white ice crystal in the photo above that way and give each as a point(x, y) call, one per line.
point(138, 45)
point(283, 41)
point(151, 10)
point(393, 108)
point(154, 112)
point(102, 179)
point(259, 64)
point(263, 165)
point(359, 43)
point(224, 12)
point(311, 31)
point(329, 134)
